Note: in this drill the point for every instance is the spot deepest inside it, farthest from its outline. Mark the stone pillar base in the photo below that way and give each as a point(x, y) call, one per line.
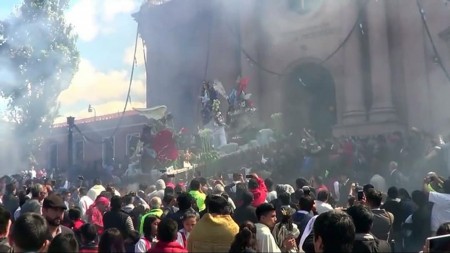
point(367, 129)
point(382, 114)
point(354, 117)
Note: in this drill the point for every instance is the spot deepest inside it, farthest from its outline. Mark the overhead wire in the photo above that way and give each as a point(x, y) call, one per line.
point(339, 47)
point(438, 57)
point(127, 100)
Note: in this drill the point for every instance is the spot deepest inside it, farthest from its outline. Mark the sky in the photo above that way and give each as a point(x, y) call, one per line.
point(106, 39)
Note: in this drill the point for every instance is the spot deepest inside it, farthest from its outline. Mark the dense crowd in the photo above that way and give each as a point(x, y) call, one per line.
point(243, 214)
point(351, 195)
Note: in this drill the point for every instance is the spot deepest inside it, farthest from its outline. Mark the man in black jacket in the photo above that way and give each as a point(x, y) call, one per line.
point(184, 201)
point(116, 218)
point(362, 217)
point(245, 211)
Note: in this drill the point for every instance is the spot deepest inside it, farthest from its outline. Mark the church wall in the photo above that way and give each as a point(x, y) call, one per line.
point(296, 39)
point(279, 39)
point(438, 20)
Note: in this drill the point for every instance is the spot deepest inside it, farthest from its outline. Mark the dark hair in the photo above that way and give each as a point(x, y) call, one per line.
point(403, 193)
point(134, 236)
point(202, 181)
point(63, 243)
point(253, 184)
point(74, 213)
point(128, 199)
point(143, 187)
point(285, 198)
point(444, 229)
point(194, 185)
point(147, 228)
point(362, 217)
point(88, 231)
point(299, 193)
point(366, 188)
point(23, 197)
point(116, 203)
point(323, 195)
point(246, 197)
point(264, 209)
point(168, 198)
point(184, 201)
point(167, 230)
point(330, 224)
point(240, 189)
point(29, 232)
point(97, 181)
point(10, 188)
point(178, 189)
point(374, 197)
point(217, 205)
point(169, 191)
point(5, 217)
point(300, 182)
point(306, 203)
point(392, 192)
point(82, 191)
point(269, 183)
point(245, 239)
point(111, 241)
point(419, 198)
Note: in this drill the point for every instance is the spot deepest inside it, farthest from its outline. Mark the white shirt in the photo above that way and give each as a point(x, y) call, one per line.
point(264, 239)
point(322, 207)
point(84, 204)
point(33, 174)
point(441, 209)
point(180, 237)
point(141, 246)
point(336, 190)
point(271, 196)
point(308, 230)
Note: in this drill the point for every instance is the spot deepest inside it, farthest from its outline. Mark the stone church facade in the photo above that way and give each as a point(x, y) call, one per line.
point(347, 67)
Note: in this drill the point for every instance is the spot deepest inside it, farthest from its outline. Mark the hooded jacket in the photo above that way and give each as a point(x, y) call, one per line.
point(260, 193)
point(213, 233)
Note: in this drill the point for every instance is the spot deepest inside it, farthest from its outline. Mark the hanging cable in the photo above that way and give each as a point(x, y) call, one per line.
point(85, 137)
point(340, 46)
point(128, 98)
point(208, 48)
point(430, 37)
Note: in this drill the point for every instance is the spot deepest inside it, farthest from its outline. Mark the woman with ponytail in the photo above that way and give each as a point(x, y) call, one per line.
point(245, 240)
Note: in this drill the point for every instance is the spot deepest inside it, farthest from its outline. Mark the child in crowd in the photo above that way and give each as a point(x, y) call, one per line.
point(189, 221)
point(75, 218)
point(286, 228)
point(150, 230)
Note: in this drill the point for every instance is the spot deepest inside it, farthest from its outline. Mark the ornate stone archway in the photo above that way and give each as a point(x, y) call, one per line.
point(309, 99)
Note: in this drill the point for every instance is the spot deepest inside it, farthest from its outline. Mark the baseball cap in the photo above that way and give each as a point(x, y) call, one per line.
point(54, 201)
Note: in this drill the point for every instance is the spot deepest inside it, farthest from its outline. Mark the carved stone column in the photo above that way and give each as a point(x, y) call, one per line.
point(382, 109)
point(354, 108)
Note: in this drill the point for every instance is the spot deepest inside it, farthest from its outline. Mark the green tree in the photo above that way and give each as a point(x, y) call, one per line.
point(38, 58)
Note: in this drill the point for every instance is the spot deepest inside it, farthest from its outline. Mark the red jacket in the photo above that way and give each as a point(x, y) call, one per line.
point(168, 247)
point(260, 193)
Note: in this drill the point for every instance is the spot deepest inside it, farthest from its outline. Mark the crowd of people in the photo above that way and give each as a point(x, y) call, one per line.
point(351, 195)
point(246, 213)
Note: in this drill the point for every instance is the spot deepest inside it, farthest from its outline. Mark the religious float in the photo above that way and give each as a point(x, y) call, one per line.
point(222, 145)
